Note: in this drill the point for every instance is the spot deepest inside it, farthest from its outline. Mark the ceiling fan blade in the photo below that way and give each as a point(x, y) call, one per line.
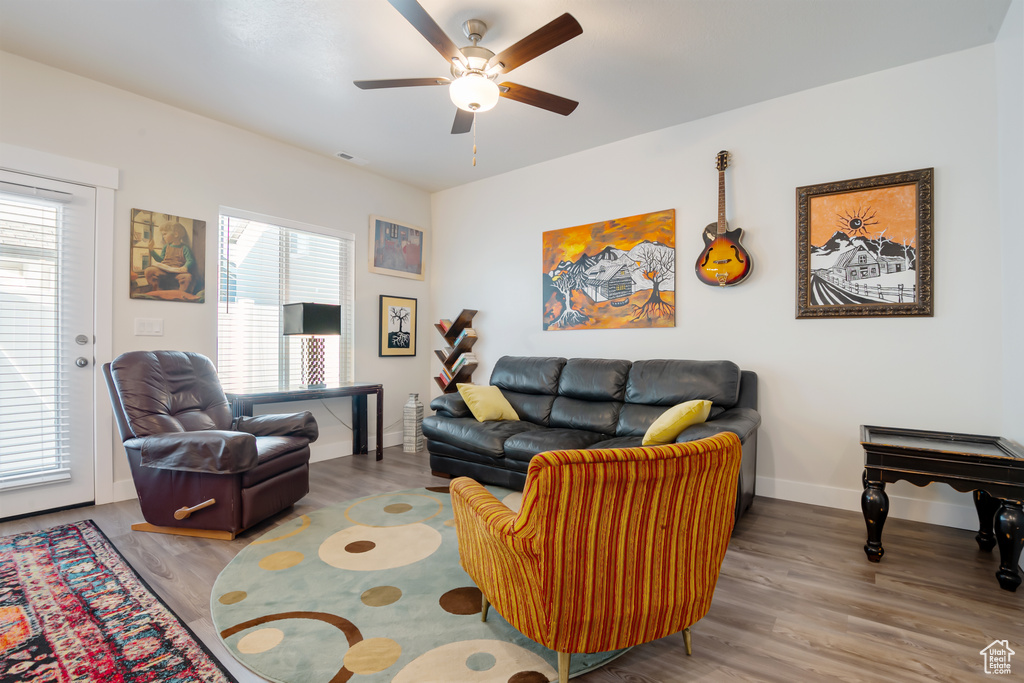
point(545, 38)
point(400, 83)
point(537, 98)
point(463, 122)
point(428, 28)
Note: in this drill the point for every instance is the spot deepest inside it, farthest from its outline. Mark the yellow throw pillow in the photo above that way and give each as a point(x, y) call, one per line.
point(674, 420)
point(486, 402)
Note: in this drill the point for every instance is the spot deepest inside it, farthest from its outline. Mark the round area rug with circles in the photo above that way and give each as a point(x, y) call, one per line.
point(371, 591)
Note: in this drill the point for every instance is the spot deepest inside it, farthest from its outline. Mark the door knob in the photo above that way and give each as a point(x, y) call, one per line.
point(81, 362)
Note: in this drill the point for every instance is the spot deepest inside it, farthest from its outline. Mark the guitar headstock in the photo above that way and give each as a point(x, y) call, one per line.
point(722, 160)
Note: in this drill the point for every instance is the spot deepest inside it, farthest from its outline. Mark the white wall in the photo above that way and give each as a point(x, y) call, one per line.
point(819, 379)
point(175, 162)
point(1010, 74)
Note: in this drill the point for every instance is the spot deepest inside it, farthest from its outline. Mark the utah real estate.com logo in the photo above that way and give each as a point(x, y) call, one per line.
point(997, 657)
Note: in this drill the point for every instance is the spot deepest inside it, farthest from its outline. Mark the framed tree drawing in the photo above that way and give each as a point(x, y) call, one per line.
point(396, 249)
point(864, 247)
point(397, 326)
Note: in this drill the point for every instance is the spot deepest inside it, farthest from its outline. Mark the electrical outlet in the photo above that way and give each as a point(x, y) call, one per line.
point(149, 327)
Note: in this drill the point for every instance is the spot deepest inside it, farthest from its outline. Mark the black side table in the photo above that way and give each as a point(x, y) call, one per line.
point(242, 404)
point(990, 466)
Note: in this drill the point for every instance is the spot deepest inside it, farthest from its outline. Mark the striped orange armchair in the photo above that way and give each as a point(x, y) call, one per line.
point(610, 548)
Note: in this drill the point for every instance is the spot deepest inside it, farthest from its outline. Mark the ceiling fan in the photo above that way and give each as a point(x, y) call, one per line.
point(475, 70)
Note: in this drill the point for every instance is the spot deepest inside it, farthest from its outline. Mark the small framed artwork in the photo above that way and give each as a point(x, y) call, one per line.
point(397, 326)
point(396, 249)
point(168, 257)
point(864, 247)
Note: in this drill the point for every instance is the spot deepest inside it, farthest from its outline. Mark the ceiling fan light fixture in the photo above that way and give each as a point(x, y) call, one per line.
point(474, 92)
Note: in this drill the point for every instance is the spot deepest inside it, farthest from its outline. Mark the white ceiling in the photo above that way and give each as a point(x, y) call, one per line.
point(284, 68)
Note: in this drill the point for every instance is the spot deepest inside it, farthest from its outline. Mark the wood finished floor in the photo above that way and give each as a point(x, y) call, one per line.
point(796, 601)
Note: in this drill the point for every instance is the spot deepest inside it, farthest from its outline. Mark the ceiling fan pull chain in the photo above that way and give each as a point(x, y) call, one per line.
point(474, 140)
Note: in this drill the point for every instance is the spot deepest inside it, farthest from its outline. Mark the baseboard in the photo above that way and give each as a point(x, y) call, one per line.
point(900, 507)
point(342, 449)
point(125, 488)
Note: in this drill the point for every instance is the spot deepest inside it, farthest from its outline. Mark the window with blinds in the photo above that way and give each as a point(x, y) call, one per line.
point(33, 400)
point(265, 263)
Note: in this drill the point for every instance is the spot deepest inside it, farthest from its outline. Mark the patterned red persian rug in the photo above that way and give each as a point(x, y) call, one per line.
point(73, 609)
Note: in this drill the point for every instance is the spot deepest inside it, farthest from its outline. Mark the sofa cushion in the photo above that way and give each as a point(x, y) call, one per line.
point(636, 419)
point(668, 382)
point(594, 379)
point(619, 442)
point(594, 416)
point(486, 402)
point(674, 420)
point(525, 445)
point(535, 408)
point(465, 432)
point(527, 375)
point(276, 454)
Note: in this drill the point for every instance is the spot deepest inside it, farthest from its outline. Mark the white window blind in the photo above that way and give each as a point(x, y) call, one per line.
point(265, 263)
point(34, 402)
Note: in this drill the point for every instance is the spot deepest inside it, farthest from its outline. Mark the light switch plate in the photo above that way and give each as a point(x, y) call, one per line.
point(149, 327)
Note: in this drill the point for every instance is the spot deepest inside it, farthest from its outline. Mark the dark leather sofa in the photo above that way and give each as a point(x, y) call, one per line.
point(586, 403)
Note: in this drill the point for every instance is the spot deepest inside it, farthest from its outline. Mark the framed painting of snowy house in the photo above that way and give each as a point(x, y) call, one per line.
point(864, 247)
point(613, 274)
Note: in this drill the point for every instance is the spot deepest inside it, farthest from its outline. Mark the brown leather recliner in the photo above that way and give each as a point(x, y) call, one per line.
point(197, 470)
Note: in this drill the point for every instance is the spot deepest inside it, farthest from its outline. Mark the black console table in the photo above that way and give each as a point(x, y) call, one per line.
point(990, 466)
point(242, 404)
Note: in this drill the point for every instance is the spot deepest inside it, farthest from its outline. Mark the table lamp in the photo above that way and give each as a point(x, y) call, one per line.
point(313, 322)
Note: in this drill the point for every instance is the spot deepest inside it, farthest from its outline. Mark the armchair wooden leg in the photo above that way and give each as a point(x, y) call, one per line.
point(483, 606)
point(563, 667)
point(686, 639)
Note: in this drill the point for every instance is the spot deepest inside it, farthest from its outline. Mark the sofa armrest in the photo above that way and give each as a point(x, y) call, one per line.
point(476, 502)
point(450, 405)
point(491, 551)
point(286, 424)
point(212, 451)
point(740, 421)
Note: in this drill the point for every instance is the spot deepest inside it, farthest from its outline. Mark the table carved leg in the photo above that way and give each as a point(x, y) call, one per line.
point(1009, 532)
point(986, 506)
point(875, 504)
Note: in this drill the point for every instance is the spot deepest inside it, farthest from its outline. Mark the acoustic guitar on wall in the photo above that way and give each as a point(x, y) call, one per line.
point(724, 261)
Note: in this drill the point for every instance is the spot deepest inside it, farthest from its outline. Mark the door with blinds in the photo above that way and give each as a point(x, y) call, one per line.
point(47, 236)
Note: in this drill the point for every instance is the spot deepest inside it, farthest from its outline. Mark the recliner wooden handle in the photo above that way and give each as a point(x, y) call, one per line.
point(183, 513)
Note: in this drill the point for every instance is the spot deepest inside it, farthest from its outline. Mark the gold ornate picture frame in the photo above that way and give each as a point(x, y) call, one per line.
point(864, 247)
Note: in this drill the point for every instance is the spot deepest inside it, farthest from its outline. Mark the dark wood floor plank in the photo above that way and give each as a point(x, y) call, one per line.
point(796, 599)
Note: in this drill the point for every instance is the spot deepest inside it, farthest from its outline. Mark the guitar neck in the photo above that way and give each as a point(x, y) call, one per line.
point(721, 202)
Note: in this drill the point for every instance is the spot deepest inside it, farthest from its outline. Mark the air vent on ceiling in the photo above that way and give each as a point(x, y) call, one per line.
point(352, 158)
